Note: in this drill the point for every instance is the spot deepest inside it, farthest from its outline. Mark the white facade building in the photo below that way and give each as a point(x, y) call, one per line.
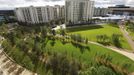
point(59, 12)
point(35, 15)
point(100, 11)
point(62, 15)
point(77, 11)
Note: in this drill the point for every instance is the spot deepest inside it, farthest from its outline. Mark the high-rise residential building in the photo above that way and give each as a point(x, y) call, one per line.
point(59, 12)
point(62, 15)
point(35, 15)
point(100, 11)
point(50, 13)
point(77, 11)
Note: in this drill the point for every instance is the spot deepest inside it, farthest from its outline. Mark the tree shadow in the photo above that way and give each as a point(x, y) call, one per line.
point(114, 25)
point(83, 28)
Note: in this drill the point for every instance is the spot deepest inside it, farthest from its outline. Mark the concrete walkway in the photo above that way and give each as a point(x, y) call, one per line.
point(9, 67)
point(130, 55)
point(126, 35)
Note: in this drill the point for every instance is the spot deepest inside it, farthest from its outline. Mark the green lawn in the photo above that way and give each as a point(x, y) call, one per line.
point(87, 56)
point(26, 57)
point(92, 31)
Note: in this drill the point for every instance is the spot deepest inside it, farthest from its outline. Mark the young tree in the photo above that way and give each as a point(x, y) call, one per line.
point(54, 32)
point(116, 40)
point(63, 32)
point(44, 31)
point(12, 37)
point(86, 40)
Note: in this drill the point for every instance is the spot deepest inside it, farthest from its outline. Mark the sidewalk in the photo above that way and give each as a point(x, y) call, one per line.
point(126, 35)
point(8, 67)
point(130, 55)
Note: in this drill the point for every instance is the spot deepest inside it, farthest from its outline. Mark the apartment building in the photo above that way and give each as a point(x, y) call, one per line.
point(62, 15)
point(100, 11)
point(59, 12)
point(35, 15)
point(78, 11)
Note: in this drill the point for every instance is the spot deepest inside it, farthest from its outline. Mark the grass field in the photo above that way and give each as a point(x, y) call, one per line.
point(25, 57)
point(88, 56)
point(91, 32)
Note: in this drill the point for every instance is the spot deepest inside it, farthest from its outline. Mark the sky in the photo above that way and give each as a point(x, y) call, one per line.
point(11, 4)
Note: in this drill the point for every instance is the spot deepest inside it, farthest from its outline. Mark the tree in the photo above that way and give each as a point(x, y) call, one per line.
point(53, 41)
point(65, 66)
point(63, 32)
point(54, 32)
point(86, 41)
point(7, 46)
point(103, 39)
point(102, 70)
point(77, 38)
point(131, 27)
point(44, 31)
point(12, 37)
point(24, 47)
point(127, 23)
point(116, 40)
point(74, 68)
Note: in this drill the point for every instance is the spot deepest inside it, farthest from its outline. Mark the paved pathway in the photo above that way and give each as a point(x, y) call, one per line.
point(126, 35)
point(9, 67)
point(132, 73)
point(130, 55)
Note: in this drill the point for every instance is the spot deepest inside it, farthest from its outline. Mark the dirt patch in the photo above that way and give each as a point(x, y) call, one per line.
point(131, 73)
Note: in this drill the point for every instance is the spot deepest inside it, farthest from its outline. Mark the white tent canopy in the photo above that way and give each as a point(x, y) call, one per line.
point(110, 18)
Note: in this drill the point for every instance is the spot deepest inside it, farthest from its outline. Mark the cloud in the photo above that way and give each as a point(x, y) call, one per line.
point(44, 0)
point(31, 0)
point(53, 0)
point(11, 4)
point(106, 3)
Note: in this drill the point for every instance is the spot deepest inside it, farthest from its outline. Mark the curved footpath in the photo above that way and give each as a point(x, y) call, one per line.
point(127, 36)
point(130, 55)
point(9, 67)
